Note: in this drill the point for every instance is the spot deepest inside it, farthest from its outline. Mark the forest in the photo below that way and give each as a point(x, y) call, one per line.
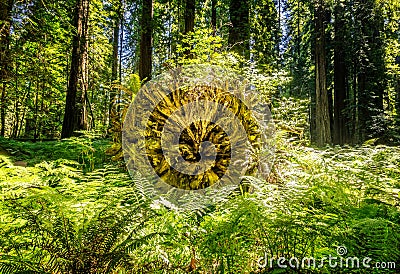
point(199, 136)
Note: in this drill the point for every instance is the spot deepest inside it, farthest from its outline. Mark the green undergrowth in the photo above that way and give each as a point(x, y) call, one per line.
point(87, 151)
point(72, 210)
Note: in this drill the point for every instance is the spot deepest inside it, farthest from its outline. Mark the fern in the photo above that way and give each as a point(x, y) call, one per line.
point(100, 243)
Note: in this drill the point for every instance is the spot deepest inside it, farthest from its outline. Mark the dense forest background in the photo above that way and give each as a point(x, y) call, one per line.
point(64, 63)
point(328, 69)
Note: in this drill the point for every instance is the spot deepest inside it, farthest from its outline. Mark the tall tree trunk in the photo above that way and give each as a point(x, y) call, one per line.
point(83, 123)
point(5, 25)
point(354, 114)
point(371, 79)
point(114, 71)
point(214, 16)
point(145, 59)
point(17, 100)
point(397, 89)
point(75, 116)
point(311, 92)
point(239, 33)
point(278, 51)
point(362, 105)
point(115, 61)
point(340, 124)
point(190, 6)
point(298, 40)
point(322, 117)
point(398, 102)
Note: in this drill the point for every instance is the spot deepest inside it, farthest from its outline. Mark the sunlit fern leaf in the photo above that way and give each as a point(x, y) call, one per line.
point(52, 242)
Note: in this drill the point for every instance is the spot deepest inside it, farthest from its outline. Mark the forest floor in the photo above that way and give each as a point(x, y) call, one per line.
point(315, 202)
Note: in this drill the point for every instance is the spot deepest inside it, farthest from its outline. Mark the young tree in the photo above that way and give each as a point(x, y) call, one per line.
point(75, 116)
point(322, 116)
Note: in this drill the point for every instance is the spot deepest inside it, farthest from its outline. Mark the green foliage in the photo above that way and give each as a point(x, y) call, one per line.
point(118, 112)
point(291, 118)
point(48, 241)
point(67, 208)
point(87, 151)
point(321, 200)
point(34, 97)
point(58, 219)
point(298, 55)
point(265, 34)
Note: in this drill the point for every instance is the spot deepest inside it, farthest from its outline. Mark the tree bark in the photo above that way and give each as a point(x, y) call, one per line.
point(190, 6)
point(115, 61)
point(5, 26)
point(114, 70)
point(145, 59)
point(83, 123)
point(75, 115)
point(340, 124)
point(214, 16)
point(239, 33)
point(398, 102)
point(362, 105)
point(322, 117)
point(397, 89)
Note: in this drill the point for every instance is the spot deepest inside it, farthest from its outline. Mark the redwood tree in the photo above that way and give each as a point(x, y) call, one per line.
point(75, 116)
point(341, 93)
point(322, 117)
point(214, 16)
point(115, 60)
point(190, 6)
point(5, 25)
point(145, 58)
